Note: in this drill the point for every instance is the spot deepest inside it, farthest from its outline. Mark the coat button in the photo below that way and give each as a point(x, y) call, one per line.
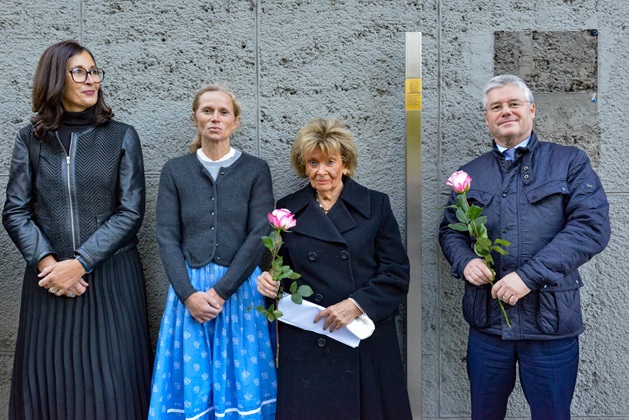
point(344, 255)
point(526, 177)
point(504, 195)
point(504, 230)
point(321, 343)
point(312, 256)
point(318, 298)
point(526, 168)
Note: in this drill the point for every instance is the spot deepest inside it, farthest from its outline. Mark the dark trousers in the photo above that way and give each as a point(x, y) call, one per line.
point(547, 368)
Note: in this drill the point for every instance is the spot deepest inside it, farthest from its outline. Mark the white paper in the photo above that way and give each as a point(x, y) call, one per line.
point(301, 316)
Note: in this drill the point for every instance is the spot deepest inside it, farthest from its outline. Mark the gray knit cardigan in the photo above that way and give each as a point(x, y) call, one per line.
point(200, 220)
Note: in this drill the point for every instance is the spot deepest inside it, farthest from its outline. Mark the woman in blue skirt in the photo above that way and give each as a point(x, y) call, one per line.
point(214, 356)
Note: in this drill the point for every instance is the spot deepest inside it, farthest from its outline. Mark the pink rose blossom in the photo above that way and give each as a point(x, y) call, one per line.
point(459, 181)
point(282, 219)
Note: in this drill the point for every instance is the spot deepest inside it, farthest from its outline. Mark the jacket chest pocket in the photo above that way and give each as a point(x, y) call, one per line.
point(479, 198)
point(545, 208)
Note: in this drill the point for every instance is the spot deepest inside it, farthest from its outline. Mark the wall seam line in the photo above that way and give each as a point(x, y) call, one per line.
point(257, 60)
point(439, 172)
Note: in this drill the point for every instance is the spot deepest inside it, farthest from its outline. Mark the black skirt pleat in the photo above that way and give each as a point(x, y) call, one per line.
point(84, 358)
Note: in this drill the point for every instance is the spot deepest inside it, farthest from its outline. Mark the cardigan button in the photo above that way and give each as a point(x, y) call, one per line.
point(321, 343)
point(312, 256)
point(344, 255)
point(318, 298)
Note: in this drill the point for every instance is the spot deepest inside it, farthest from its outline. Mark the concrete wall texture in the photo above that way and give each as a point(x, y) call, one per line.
point(291, 61)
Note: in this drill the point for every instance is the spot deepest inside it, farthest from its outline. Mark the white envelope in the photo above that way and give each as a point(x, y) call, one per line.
point(301, 316)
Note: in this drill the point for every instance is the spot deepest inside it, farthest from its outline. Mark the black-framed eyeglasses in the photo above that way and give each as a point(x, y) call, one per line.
point(79, 74)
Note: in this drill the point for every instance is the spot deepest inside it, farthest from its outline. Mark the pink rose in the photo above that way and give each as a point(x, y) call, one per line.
point(459, 181)
point(282, 219)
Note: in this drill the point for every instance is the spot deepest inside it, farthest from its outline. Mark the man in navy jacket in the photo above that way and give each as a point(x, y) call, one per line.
point(546, 200)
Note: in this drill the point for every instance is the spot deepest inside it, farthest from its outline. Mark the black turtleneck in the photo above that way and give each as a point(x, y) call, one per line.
point(73, 122)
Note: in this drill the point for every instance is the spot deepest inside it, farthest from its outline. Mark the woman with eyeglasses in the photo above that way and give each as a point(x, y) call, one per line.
point(74, 204)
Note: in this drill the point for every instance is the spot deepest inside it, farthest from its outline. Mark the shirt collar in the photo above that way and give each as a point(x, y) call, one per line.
point(525, 143)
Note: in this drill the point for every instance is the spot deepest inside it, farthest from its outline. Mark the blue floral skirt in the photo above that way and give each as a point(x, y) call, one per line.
point(223, 368)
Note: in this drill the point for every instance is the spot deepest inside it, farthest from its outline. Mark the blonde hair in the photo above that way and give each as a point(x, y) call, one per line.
point(329, 135)
point(196, 142)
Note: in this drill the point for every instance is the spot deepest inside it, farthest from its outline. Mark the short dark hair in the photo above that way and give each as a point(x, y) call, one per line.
point(49, 85)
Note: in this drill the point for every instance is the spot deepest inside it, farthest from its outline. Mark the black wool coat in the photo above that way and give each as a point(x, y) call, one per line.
point(353, 251)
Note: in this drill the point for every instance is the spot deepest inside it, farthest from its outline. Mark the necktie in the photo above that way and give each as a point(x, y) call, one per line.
point(509, 153)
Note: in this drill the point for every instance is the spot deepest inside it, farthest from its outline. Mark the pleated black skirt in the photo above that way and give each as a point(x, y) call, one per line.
point(84, 358)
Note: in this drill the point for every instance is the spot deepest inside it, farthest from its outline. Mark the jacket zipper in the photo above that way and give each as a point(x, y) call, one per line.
point(69, 187)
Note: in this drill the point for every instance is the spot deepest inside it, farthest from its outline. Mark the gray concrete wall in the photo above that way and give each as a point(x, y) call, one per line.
point(291, 61)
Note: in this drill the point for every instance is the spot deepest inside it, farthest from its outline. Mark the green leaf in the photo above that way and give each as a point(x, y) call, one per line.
point(490, 261)
point(286, 272)
point(270, 316)
point(268, 242)
point(293, 287)
point(296, 297)
point(502, 242)
point(499, 250)
point(461, 202)
point(481, 220)
point(278, 314)
point(484, 242)
point(474, 212)
point(461, 216)
point(480, 250)
point(305, 290)
point(461, 227)
point(294, 276)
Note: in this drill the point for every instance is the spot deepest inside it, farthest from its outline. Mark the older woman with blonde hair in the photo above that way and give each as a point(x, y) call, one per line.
point(347, 247)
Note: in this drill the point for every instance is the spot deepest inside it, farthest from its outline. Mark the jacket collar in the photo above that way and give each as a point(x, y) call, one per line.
point(520, 151)
point(525, 154)
point(312, 221)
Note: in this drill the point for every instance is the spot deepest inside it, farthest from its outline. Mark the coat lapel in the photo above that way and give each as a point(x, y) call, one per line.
point(312, 221)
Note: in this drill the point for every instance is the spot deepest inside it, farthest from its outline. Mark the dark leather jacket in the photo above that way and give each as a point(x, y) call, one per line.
point(551, 206)
point(90, 202)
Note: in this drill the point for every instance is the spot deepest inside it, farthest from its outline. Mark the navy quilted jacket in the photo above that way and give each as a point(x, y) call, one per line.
point(551, 206)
